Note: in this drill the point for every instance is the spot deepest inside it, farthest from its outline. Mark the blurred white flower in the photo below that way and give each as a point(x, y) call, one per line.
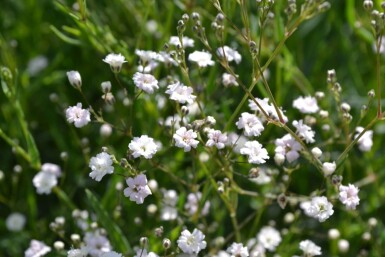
point(44, 181)
point(191, 243)
point(230, 54)
point(75, 79)
point(238, 250)
point(180, 93)
point(186, 41)
point(349, 196)
point(365, 142)
point(250, 123)
point(105, 130)
point(115, 61)
point(309, 248)
point(37, 64)
point(97, 243)
point(37, 249)
point(304, 131)
point(269, 238)
point(143, 146)
point(137, 188)
point(101, 165)
point(328, 168)
point(113, 254)
point(306, 104)
point(267, 107)
point(255, 152)
point(15, 222)
point(229, 80)
point(185, 139)
point(82, 252)
point(78, 116)
point(216, 138)
point(203, 59)
point(146, 82)
point(287, 147)
point(168, 211)
point(192, 204)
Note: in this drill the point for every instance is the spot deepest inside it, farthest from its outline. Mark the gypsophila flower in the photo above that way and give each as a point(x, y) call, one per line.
point(230, 54)
point(52, 168)
point(306, 104)
point(37, 249)
point(146, 82)
point(229, 80)
point(96, 243)
point(267, 107)
point(216, 138)
point(115, 61)
point(169, 211)
point(146, 56)
point(180, 93)
point(15, 222)
point(365, 142)
point(328, 168)
point(75, 79)
point(349, 196)
point(250, 123)
point(143, 146)
point(78, 116)
point(288, 148)
point(82, 252)
point(193, 203)
point(304, 131)
point(37, 64)
point(101, 165)
point(185, 139)
point(191, 243)
point(255, 152)
point(44, 181)
point(203, 59)
point(319, 208)
point(186, 41)
point(269, 238)
point(137, 188)
point(113, 254)
point(165, 58)
point(309, 248)
point(238, 250)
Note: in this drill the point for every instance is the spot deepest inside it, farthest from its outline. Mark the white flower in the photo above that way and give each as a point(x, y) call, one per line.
point(75, 79)
point(267, 107)
point(229, 80)
point(146, 82)
point(105, 130)
point(15, 222)
point(52, 168)
point(168, 211)
point(250, 123)
point(36, 65)
point(137, 188)
point(365, 142)
point(44, 181)
point(143, 146)
point(264, 176)
point(238, 250)
point(146, 56)
point(316, 152)
point(78, 116)
point(115, 61)
point(192, 243)
point(82, 252)
point(269, 238)
point(181, 93)
point(192, 204)
point(186, 41)
point(96, 243)
point(256, 153)
point(319, 208)
point(236, 142)
point(304, 131)
point(185, 139)
point(288, 147)
point(166, 58)
point(306, 104)
point(222, 254)
point(309, 248)
point(203, 59)
point(37, 249)
point(216, 138)
point(328, 168)
point(101, 165)
point(114, 254)
point(143, 253)
point(349, 196)
point(230, 54)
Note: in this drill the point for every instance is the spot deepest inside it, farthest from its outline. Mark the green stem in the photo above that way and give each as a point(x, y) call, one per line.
point(378, 67)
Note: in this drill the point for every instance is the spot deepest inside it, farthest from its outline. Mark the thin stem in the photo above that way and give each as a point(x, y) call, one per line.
point(378, 67)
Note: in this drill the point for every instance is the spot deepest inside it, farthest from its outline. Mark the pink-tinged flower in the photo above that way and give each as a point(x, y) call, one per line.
point(349, 196)
point(216, 138)
point(137, 189)
point(287, 147)
point(192, 243)
point(78, 116)
point(255, 152)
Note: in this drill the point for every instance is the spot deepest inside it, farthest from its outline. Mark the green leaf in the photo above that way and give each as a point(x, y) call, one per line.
point(118, 240)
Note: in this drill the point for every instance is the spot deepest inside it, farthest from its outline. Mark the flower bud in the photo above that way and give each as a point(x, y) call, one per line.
point(166, 243)
point(75, 79)
point(368, 5)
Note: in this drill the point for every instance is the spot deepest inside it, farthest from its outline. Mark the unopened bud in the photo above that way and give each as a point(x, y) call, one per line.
point(368, 5)
point(371, 93)
point(166, 243)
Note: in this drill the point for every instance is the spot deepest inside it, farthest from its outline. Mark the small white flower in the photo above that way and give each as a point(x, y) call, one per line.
point(52, 168)
point(186, 41)
point(143, 146)
point(316, 152)
point(166, 58)
point(78, 116)
point(82, 252)
point(320, 208)
point(146, 82)
point(192, 243)
point(255, 152)
point(105, 130)
point(349, 196)
point(306, 104)
point(365, 142)
point(146, 56)
point(15, 222)
point(269, 238)
point(115, 61)
point(75, 79)
point(250, 123)
point(137, 189)
point(267, 107)
point(44, 181)
point(180, 93)
point(304, 131)
point(185, 139)
point(37, 249)
point(216, 138)
point(309, 248)
point(328, 168)
point(192, 204)
point(37, 64)
point(230, 54)
point(203, 59)
point(101, 165)
point(96, 243)
point(229, 80)
point(287, 147)
point(114, 254)
point(168, 211)
point(238, 250)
